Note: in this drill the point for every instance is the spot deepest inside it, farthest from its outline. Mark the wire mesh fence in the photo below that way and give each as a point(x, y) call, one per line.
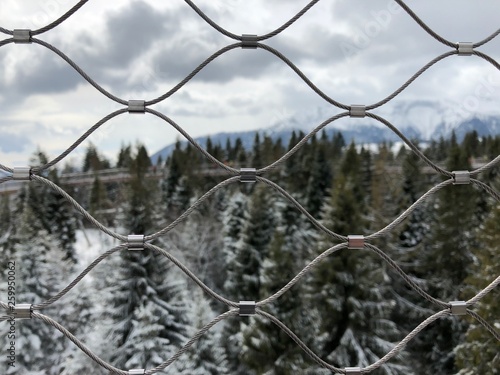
point(346, 241)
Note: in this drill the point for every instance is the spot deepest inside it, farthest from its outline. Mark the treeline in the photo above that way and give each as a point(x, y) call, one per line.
point(247, 241)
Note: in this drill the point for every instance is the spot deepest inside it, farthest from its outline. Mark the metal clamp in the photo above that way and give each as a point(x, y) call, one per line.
point(137, 371)
point(22, 173)
point(248, 174)
point(136, 106)
point(458, 307)
point(247, 308)
point(355, 241)
point(23, 311)
point(465, 48)
point(357, 110)
point(249, 41)
point(461, 177)
point(353, 370)
point(22, 36)
point(135, 242)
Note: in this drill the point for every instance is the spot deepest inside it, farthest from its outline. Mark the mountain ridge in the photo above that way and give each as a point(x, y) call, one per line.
point(422, 121)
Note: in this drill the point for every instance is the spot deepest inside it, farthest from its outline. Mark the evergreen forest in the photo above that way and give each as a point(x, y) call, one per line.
point(246, 241)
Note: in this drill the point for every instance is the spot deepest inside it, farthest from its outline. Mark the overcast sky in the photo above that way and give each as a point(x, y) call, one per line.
point(356, 51)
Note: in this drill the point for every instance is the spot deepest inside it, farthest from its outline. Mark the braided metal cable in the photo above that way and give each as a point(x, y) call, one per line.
point(78, 343)
point(61, 19)
point(40, 306)
point(304, 271)
point(484, 292)
point(191, 275)
point(489, 59)
point(6, 41)
point(406, 340)
point(292, 200)
point(424, 26)
point(258, 38)
point(405, 277)
point(186, 213)
point(487, 39)
point(196, 337)
point(411, 79)
point(410, 145)
point(78, 141)
point(193, 73)
point(79, 208)
point(79, 70)
point(54, 24)
point(486, 167)
point(485, 324)
point(7, 169)
point(492, 192)
point(299, 342)
point(388, 228)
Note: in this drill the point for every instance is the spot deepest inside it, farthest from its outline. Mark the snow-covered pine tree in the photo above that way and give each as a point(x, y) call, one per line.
point(415, 227)
point(406, 248)
point(245, 259)
point(479, 353)
point(5, 214)
point(266, 348)
point(320, 179)
point(61, 219)
point(53, 211)
point(207, 356)
point(149, 319)
point(40, 271)
point(350, 291)
point(234, 218)
point(444, 263)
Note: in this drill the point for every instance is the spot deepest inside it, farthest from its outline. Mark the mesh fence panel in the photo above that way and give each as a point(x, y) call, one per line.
point(345, 241)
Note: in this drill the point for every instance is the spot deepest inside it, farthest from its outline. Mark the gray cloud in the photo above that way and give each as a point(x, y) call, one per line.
point(129, 33)
point(47, 74)
point(146, 47)
point(10, 142)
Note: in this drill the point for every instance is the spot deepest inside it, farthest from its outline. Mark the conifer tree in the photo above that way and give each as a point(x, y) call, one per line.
point(320, 178)
point(234, 220)
point(350, 291)
point(207, 356)
point(5, 214)
point(267, 349)
point(445, 262)
point(54, 212)
point(61, 219)
point(141, 202)
point(40, 274)
point(413, 231)
point(257, 161)
point(125, 157)
point(479, 353)
point(245, 262)
point(174, 174)
point(148, 316)
point(98, 199)
point(92, 161)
